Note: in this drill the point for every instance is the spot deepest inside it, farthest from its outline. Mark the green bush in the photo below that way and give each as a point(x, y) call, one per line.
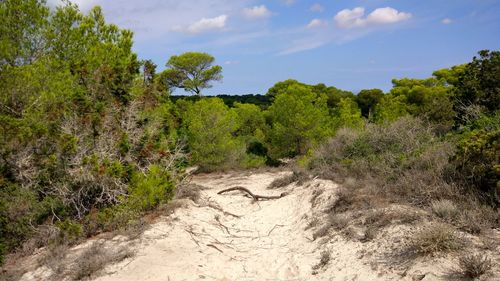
point(210, 126)
point(477, 158)
point(149, 190)
point(402, 158)
point(69, 230)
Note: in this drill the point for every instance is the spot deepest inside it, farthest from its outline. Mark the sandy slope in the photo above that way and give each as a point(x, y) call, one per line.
point(230, 237)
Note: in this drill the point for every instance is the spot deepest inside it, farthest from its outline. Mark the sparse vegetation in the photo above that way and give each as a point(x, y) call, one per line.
point(445, 209)
point(323, 261)
point(473, 266)
point(298, 175)
point(96, 258)
point(435, 239)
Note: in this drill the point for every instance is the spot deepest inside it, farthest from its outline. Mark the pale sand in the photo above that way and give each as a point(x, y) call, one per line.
point(267, 242)
point(270, 240)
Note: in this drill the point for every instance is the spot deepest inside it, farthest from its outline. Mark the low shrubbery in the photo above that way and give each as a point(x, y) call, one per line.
point(474, 266)
point(403, 158)
point(435, 239)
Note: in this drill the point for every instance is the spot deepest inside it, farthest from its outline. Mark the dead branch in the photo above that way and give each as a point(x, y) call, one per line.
point(219, 208)
point(254, 196)
point(215, 247)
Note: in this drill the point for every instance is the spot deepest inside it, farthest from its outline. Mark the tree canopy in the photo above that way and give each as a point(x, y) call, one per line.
point(191, 71)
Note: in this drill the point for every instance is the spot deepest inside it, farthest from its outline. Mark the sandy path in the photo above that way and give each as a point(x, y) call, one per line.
point(267, 241)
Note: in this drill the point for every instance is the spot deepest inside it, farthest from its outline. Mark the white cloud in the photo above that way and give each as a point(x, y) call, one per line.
point(289, 2)
point(355, 17)
point(84, 5)
point(446, 21)
point(204, 25)
point(257, 12)
point(302, 46)
point(317, 7)
point(231, 62)
point(316, 23)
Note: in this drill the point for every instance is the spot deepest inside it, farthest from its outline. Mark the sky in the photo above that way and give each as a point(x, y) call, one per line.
point(352, 45)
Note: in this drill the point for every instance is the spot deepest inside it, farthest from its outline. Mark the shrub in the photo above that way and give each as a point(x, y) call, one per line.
point(323, 261)
point(95, 258)
point(149, 190)
point(403, 158)
point(474, 266)
point(445, 209)
point(2, 253)
point(298, 175)
point(435, 239)
point(476, 160)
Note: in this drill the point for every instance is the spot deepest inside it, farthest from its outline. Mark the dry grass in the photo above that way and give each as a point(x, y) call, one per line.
point(87, 264)
point(474, 266)
point(189, 191)
point(345, 198)
point(298, 175)
point(435, 239)
point(96, 258)
point(476, 218)
point(445, 209)
point(323, 261)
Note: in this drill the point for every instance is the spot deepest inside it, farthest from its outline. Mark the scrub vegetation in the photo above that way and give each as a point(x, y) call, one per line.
point(91, 138)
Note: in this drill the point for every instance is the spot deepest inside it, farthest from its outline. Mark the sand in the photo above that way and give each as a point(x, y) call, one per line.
point(231, 237)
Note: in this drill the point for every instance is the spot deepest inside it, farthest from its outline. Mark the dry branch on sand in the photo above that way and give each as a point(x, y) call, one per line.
point(254, 196)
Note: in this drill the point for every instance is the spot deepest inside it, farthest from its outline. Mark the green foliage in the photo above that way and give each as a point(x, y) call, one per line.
point(21, 26)
point(391, 108)
point(210, 126)
point(298, 121)
point(149, 190)
point(426, 98)
point(477, 158)
point(347, 115)
point(333, 94)
point(479, 84)
point(191, 71)
point(367, 100)
point(69, 230)
point(77, 124)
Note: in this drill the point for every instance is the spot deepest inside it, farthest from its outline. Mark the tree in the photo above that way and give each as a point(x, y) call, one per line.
point(367, 100)
point(21, 27)
point(191, 71)
point(479, 85)
point(348, 115)
point(299, 120)
point(391, 108)
point(210, 126)
point(149, 71)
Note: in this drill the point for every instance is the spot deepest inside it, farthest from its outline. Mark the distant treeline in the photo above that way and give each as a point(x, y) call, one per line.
point(262, 101)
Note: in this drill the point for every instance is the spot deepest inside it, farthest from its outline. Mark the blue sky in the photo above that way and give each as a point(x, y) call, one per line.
point(352, 45)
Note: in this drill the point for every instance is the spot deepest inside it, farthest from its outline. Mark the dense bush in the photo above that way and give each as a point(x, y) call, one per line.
point(80, 131)
point(477, 158)
point(210, 126)
point(402, 158)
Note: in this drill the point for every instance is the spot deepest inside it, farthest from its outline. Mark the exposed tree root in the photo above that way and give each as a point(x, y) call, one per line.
point(254, 196)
